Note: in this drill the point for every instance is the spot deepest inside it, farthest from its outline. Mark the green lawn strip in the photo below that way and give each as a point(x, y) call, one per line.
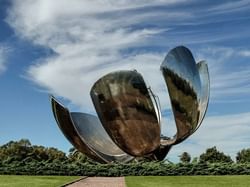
point(34, 181)
point(188, 181)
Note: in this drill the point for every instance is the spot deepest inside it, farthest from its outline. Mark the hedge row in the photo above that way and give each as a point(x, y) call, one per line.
point(134, 169)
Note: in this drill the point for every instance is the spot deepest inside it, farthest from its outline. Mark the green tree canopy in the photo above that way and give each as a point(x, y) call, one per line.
point(243, 156)
point(185, 157)
point(22, 150)
point(212, 155)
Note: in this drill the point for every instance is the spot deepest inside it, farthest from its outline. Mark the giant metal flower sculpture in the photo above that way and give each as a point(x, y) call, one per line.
point(129, 116)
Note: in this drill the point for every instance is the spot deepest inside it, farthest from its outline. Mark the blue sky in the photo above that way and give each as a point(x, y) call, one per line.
point(62, 47)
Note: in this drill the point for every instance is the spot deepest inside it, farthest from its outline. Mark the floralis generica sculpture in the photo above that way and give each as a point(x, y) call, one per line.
point(128, 121)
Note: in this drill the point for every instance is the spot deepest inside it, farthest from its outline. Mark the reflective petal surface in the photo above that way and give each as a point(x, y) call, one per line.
point(93, 134)
point(125, 108)
point(185, 88)
point(205, 89)
point(129, 114)
point(65, 123)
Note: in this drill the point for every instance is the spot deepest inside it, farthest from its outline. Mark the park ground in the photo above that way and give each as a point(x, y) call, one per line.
point(189, 181)
point(132, 181)
point(35, 181)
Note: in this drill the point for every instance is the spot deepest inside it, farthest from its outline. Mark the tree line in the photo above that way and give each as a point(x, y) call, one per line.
point(21, 157)
point(212, 155)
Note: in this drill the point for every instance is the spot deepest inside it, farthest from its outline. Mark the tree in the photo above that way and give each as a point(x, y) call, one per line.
point(243, 156)
point(212, 155)
point(185, 157)
point(23, 150)
point(15, 150)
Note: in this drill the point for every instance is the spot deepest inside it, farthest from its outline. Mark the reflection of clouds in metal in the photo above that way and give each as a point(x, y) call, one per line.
point(205, 89)
point(130, 114)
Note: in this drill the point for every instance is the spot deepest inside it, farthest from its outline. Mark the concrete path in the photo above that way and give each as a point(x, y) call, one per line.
point(100, 182)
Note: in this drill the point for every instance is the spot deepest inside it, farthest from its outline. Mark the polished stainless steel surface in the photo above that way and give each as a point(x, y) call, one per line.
point(156, 103)
point(93, 134)
point(65, 123)
point(85, 132)
point(129, 113)
point(205, 89)
point(188, 87)
point(125, 108)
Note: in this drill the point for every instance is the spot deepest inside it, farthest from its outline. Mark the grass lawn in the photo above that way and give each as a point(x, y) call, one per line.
point(34, 181)
point(188, 181)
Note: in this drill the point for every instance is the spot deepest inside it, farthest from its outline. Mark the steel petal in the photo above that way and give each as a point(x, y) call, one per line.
point(127, 113)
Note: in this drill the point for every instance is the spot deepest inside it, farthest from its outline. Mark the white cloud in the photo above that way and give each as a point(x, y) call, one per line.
point(3, 58)
point(46, 23)
point(228, 77)
point(88, 38)
point(229, 133)
point(244, 53)
point(231, 6)
point(75, 80)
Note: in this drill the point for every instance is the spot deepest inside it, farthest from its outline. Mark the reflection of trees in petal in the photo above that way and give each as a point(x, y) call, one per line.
point(127, 111)
point(184, 101)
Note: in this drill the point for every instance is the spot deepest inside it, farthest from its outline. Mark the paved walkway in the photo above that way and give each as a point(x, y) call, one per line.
point(100, 182)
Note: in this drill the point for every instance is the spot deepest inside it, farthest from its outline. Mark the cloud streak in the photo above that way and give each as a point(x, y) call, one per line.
point(87, 42)
point(231, 6)
point(3, 58)
point(229, 77)
point(92, 38)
